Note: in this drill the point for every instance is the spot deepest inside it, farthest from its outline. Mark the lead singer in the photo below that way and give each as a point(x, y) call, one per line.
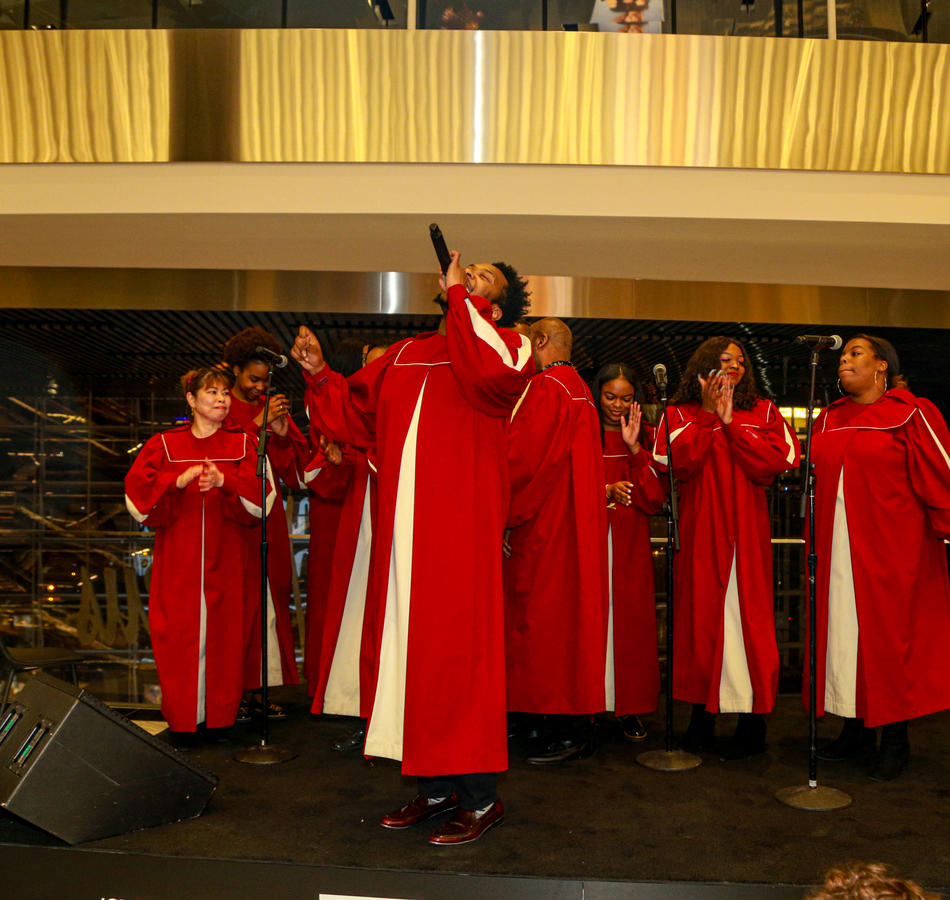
point(434, 409)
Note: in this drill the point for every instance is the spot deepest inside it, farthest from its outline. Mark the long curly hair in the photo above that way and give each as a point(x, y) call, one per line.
point(706, 359)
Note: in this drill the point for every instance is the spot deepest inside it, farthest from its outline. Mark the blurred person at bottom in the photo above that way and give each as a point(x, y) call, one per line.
point(882, 512)
point(867, 881)
point(196, 487)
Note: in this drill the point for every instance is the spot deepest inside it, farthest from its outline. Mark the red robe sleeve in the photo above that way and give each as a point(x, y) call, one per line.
point(327, 481)
point(289, 455)
point(491, 364)
point(539, 440)
point(763, 452)
point(151, 491)
point(648, 486)
point(927, 442)
point(344, 409)
point(691, 434)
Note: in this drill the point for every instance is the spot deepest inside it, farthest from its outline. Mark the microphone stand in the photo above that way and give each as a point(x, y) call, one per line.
point(669, 760)
point(812, 796)
point(264, 754)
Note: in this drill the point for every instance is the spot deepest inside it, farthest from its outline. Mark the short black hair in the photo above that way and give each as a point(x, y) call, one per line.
point(240, 350)
point(347, 356)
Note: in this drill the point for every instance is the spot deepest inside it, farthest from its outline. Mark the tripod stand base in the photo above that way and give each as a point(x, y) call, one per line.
point(264, 755)
point(815, 799)
point(669, 760)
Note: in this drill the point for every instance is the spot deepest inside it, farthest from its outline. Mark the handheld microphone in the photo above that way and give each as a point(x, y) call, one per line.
point(441, 251)
point(278, 360)
point(659, 375)
point(820, 341)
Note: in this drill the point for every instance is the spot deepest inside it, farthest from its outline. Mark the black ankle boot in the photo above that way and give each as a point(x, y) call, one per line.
point(749, 739)
point(894, 753)
point(700, 735)
point(854, 740)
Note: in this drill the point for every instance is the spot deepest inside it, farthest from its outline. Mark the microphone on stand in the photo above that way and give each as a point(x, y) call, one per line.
point(278, 360)
point(659, 375)
point(820, 341)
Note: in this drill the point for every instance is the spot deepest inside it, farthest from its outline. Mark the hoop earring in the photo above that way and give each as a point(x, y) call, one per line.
point(840, 389)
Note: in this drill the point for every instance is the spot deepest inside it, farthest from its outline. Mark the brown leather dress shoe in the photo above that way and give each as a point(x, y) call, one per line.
point(418, 810)
point(467, 826)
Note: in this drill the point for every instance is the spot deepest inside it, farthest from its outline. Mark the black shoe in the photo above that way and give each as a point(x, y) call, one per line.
point(894, 754)
point(633, 729)
point(749, 739)
point(700, 736)
point(243, 713)
point(564, 751)
point(216, 735)
point(352, 741)
point(890, 765)
point(183, 740)
point(854, 740)
point(524, 725)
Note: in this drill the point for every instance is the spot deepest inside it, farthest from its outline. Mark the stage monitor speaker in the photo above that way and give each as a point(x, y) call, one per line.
point(73, 767)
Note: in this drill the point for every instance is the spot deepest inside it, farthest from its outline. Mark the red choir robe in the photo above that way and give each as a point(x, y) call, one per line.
point(556, 596)
point(197, 585)
point(633, 670)
point(345, 664)
point(433, 411)
point(882, 512)
point(725, 652)
point(287, 456)
point(327, 486)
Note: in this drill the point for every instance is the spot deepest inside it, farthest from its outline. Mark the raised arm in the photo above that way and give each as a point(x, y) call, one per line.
point(691, 434)
point(492, 365)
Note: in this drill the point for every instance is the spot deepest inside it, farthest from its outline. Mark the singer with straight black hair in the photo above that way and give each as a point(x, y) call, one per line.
point(882, 512)
point(634, 493)
point(728, 445)
point(247, 355)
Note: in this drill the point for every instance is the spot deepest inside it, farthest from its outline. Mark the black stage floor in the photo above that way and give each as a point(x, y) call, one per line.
point(602, 827)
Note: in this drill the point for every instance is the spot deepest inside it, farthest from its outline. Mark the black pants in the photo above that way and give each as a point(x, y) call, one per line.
point(475, 791)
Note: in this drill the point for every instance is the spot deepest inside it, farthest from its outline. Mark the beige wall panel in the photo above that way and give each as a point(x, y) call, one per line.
point(372, 95)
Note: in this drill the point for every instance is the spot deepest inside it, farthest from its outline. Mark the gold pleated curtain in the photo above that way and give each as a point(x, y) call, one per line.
point(336, 95)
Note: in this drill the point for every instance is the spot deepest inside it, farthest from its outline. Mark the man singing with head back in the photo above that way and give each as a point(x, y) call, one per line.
point(434, 408)
point(556, 599)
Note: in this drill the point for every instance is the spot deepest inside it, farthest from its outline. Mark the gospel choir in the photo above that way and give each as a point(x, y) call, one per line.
point(480, 547)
